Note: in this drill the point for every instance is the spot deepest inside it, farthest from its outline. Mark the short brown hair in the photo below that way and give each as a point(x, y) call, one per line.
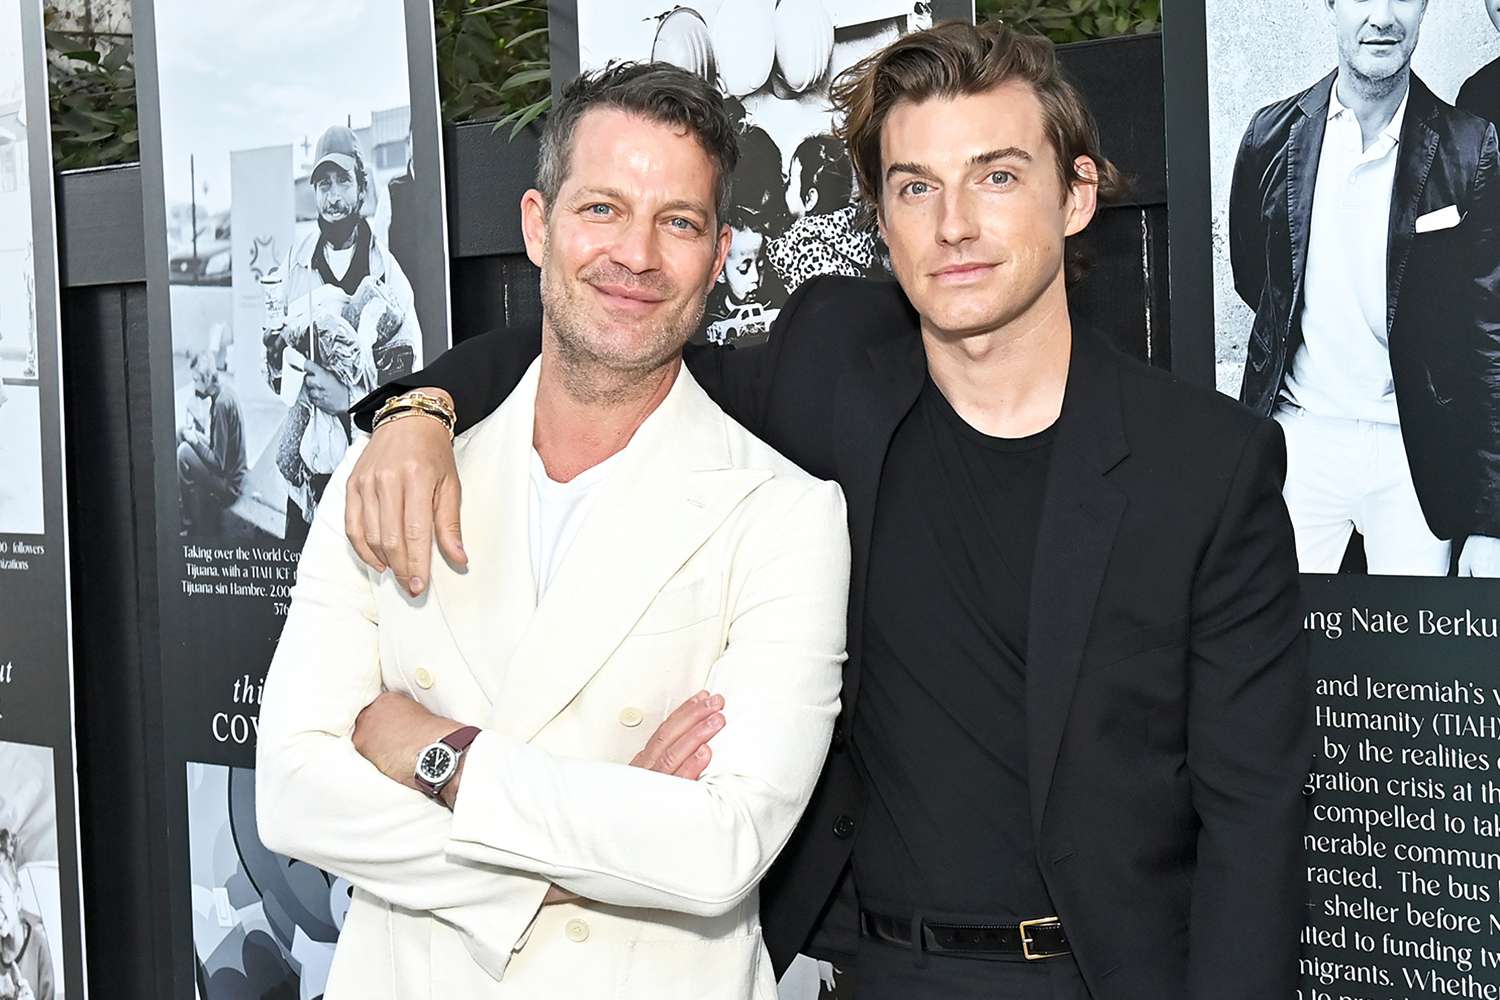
point(656, 91)
point(957, 59)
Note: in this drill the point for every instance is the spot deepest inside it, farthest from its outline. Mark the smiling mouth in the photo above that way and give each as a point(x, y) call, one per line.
point(630, 298)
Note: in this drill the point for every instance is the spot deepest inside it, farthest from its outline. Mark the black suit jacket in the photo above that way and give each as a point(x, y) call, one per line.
point(1480, 94)
point(1168, 716)
point(1442, 287)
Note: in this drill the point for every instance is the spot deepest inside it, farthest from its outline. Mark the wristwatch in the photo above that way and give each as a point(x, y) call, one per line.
point(438, 762)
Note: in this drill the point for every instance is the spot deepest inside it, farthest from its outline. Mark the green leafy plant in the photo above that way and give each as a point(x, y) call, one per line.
point(1074, 20)
point(493, 62)
point(92, 97)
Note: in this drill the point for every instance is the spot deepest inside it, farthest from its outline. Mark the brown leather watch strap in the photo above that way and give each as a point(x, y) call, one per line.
point(460, 738)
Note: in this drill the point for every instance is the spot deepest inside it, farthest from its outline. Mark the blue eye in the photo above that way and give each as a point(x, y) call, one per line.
point(599, 210)
point(685, 225)
point(916, 187)
point(1001, 176)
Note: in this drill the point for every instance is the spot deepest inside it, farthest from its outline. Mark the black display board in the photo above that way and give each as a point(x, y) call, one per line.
point(296, 257)
point(40, 885)
point(1285, 198)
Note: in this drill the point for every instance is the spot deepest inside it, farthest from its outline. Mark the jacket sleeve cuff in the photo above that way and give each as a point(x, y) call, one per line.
point(492, 932)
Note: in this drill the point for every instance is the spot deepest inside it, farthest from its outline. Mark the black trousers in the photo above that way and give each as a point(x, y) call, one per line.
point(886, 972)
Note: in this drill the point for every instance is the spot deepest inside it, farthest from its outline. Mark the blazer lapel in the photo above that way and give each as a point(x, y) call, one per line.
point(673, 489)
point(488, 604)
point(1414, 159)
point(871, 402)
point(1304, 148)
point(1080, 516)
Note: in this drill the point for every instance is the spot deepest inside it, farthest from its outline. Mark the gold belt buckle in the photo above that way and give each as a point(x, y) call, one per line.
point(1026, 942)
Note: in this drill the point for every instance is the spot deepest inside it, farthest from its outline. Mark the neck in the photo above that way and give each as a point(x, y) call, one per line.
point(348, 241)
point(1008, 381)
point(586, 413)
point(1374, 102)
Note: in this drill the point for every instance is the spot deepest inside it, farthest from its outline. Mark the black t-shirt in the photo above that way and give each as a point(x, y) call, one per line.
point(940, 728)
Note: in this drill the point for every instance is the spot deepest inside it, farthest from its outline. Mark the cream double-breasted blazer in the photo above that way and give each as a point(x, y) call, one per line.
point(707, 561)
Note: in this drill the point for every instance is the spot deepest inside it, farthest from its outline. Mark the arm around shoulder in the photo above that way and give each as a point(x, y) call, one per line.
point(478, 373)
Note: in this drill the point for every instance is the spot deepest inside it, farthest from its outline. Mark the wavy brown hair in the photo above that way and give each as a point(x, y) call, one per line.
point(958, 59)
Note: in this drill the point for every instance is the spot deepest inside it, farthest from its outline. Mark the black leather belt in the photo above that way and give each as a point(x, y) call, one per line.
point(1030, 939)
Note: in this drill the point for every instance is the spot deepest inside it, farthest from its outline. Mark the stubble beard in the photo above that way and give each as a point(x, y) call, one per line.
point(1373, 87)
point(588, 370)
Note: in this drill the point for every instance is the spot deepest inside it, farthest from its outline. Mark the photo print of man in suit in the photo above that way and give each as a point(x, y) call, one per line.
point(1364, 230)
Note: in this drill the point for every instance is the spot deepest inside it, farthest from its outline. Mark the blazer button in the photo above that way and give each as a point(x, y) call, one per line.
point(577, 931)
point(843, 827)
point(424, 678)
point(631, 717)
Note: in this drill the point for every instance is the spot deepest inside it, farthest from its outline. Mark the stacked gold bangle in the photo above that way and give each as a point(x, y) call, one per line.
point(414, 403)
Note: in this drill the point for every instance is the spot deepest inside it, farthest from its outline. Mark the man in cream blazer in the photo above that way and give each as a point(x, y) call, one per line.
point(705, 561)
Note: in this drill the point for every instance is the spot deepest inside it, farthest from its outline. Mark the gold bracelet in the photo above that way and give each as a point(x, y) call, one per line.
point(417, 396)
point(416, 401)
point(412, 411)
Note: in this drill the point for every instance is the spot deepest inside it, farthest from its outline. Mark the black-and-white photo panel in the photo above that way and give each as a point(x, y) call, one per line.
point(263, 925)
point(1355, 240)
point(1334, 168)
point(31, 898)
point(21, 489)
point(792, 211)
point(41, 927)
point(296, 258)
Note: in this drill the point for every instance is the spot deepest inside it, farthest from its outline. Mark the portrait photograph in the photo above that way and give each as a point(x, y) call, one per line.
point(1356, 269)
point(298, 248)
point(21, 494)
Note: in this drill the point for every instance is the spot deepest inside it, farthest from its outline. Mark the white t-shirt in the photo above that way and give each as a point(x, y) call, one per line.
point(557, 511)
point(1343, 366)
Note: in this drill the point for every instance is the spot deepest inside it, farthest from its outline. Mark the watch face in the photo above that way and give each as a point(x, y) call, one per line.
point(436, 764)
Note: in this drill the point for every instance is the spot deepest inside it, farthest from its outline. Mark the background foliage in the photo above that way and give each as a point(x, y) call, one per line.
point(1074, 20)
point(492, 58)
point(92, 89)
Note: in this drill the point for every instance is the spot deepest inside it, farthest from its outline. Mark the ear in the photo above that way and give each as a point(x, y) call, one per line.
point(721, 254)
point(812, 201)
point(534, 225)
point(1083, 196)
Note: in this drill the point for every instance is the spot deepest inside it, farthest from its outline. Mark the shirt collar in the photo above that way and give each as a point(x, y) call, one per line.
point(1392, 130)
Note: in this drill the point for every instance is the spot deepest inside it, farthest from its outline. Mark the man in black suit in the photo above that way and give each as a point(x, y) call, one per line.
point(1364, 230)
point(1076, 712)
point(1480, 94)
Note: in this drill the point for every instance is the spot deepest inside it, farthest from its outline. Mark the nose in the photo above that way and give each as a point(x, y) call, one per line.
point(637, 247)
point(1381, 14)
point(956, 223)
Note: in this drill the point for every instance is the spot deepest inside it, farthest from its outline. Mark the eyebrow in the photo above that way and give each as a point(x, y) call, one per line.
point(991, 156)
